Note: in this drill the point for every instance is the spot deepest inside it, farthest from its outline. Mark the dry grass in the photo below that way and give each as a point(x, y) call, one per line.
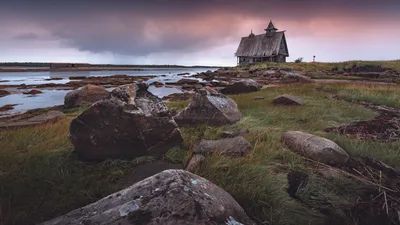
point(41, 179)
point(318, 66)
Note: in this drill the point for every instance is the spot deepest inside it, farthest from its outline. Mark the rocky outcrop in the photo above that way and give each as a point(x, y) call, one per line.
point(157, 84)
point(316, 148)
point(187, 81)
point(293, 77)
point(209, 108)
point(287, 100)
point(132, 122)
point(4, 93)
point(171, 197)
point(184, 96)
point(243, 86)
point(48, 117)
point(32, 92)
point(237, 146)
point(86, 95)
point(7, 107)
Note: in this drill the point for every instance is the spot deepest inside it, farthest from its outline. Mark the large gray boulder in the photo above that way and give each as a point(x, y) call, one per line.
point(172, 197)
point(237, 146)
point(132, 122)
point(85, 95)
point(314, 147)
point(242, 86)
point(209, 108)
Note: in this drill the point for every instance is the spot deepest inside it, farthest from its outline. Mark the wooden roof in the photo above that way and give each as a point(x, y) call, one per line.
point(261, 45)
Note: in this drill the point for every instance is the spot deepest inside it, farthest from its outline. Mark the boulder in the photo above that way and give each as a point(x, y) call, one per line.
point(86, 95)
point(237, 146)
point(195, 162)
point(287, 100)
point(209, 108)
point(32, 92)
point(132, 122)
point(175, 197)
point(243, 86)
point(314, 147)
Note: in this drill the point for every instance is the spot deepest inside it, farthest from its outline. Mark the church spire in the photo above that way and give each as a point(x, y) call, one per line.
point(271, 28)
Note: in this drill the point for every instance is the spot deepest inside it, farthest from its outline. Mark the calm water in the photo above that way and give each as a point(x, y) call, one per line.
point(56, 97)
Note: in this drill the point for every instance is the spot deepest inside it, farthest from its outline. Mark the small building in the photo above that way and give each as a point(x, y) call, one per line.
point(270, 46)
point(68, 65)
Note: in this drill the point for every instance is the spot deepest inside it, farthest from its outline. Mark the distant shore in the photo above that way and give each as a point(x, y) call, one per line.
point(47, 69)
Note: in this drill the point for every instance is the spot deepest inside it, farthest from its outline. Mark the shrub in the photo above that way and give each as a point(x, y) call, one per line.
point(299, 60)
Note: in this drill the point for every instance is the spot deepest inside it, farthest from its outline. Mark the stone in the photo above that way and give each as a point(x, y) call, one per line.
point(314, 147)
point(86, 95)
point(195, 162)
point(234, 147)
point(243, 75)
point(4, 93)
point(184, 96)
point(32, 92)
point(242, 86)
point(131, 123)
point(157, 84)
point(259, 98)
point(7, 107)
point(287, 100)
point(213, 109)
point(292, 77)
point(48, 117)
point(175, 197)
point(183, 74)
point(187, 81)
point(234, 133)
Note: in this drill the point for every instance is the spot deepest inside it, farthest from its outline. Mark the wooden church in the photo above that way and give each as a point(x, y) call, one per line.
point(270, 46)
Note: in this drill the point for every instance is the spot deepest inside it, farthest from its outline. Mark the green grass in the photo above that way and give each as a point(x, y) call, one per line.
point(41, 179)
point(376, 94)
point(318, 66)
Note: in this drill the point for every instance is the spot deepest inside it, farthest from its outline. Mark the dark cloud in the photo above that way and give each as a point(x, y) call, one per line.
point(26, 36)
point(133, 27)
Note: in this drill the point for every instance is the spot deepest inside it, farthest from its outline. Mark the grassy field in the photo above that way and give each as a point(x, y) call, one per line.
point(41, 179)
point(318, 66)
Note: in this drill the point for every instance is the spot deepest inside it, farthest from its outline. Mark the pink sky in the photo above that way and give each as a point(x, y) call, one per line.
point(195, 33)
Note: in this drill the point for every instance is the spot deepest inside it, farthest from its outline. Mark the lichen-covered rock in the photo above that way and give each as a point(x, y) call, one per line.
point(174, 197)
point(237, 146)
point(132, 122)
point(209, 108)
point(243, 86)
point(316, 148)
point(287, 100)
point(86, 95)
